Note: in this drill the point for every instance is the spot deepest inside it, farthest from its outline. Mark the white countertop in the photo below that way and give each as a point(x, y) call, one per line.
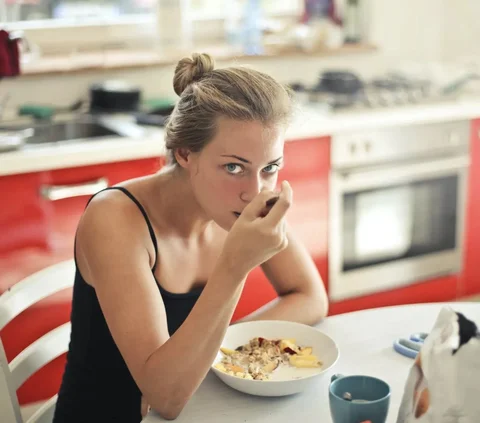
point(365, 340)
point(309, 122)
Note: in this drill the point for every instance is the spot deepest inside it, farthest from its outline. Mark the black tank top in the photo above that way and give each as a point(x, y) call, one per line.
point(97, 385)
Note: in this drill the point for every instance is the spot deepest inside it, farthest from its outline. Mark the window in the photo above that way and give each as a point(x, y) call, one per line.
point(73, 11)
point(63, 25)
point(207, 9)
point(90, 11)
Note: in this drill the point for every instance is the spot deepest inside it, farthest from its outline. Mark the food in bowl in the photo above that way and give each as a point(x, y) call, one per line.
point(285, 379)
point(260, 357)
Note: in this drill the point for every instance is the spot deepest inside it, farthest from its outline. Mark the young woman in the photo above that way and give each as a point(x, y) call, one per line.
point(162, 260)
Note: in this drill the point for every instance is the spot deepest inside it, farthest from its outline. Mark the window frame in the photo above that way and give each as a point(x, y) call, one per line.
point(83, 34)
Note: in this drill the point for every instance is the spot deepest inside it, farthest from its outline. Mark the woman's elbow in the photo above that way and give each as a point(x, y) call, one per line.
point(325, 306)
point(321, 308)
point(168, 413)
point(170, 408)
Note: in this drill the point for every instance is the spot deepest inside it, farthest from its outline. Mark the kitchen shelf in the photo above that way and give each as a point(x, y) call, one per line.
point(127, 59)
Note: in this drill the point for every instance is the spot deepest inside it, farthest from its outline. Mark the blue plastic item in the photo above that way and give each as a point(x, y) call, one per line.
point(410, 347)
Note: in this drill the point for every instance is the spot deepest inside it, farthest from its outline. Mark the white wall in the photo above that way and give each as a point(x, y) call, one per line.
point(462, 29)
point(407, 30)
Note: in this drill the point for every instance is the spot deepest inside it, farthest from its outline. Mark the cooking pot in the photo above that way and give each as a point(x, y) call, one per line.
point(340, 82)
point(114, 96)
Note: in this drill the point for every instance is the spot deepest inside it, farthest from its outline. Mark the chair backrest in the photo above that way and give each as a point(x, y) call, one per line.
point(18, 298)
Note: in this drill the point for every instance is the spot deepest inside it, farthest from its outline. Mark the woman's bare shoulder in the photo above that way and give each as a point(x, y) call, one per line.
point(108, 207)
point(112, 222)
point(118, 201)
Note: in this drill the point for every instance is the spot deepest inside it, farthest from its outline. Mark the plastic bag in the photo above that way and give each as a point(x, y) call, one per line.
point(443, 385)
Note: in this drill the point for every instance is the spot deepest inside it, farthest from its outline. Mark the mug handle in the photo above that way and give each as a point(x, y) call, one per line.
point(336, 376)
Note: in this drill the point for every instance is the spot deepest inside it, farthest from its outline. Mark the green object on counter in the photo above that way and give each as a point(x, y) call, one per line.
point(36, 111)
point(158, 103)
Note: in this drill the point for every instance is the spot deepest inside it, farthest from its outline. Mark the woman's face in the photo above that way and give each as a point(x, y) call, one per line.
point(241, 160)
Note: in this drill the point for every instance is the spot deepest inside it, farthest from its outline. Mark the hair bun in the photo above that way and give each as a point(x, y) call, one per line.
point(192, 69)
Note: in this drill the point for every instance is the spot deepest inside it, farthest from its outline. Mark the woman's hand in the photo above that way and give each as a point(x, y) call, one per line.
point(256, 237)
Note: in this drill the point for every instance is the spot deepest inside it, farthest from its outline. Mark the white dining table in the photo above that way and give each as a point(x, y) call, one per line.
point(365, 340)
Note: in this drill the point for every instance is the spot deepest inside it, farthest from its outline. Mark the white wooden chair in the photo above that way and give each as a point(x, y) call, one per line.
point(22, 295)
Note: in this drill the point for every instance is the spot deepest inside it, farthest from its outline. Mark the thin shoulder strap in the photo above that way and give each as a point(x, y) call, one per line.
point(145, 216)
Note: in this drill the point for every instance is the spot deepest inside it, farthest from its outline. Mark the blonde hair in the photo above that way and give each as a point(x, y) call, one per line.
point(206, 94)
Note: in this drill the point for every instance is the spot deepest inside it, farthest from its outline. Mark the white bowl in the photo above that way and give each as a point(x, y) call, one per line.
point(285, 380)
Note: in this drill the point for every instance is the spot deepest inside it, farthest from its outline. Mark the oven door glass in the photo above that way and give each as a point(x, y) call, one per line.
point(399, 221)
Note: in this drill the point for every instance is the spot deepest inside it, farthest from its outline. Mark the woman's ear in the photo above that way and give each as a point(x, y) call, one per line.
point(182, 155)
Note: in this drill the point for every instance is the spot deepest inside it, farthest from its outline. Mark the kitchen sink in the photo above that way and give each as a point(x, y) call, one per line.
point(59, 132)
point(79, 129)
point(66, 131)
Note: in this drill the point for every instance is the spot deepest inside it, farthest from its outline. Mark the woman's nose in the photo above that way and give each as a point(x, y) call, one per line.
point(251, 188)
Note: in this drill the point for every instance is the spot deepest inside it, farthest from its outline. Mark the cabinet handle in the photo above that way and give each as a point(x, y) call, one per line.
point(59, 192)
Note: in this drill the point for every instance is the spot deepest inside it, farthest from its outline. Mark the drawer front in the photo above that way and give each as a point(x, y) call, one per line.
point(67, 192)
point(23, 219)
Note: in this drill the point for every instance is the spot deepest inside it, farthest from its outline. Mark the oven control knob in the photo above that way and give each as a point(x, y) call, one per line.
point(353, 148)
point(367, 146)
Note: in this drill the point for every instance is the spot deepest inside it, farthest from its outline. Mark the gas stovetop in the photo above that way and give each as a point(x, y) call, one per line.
point(383, 92)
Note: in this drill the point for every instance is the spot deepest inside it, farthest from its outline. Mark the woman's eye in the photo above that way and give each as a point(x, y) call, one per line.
point(271, 168)
point(233, 168)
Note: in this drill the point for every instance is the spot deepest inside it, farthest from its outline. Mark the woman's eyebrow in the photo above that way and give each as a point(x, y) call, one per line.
point(248, 161)
point(276, 160)
point(237, 157)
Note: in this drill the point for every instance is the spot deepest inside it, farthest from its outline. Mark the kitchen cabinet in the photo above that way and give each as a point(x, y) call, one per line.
point(39, 220)
point(22, 216)
point(434, 290)
point(64, 214)
point(42, 209)
point(470, 279)
point(307, 166)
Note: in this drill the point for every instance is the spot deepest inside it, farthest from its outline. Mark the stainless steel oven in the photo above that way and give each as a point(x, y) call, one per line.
point(397, 205)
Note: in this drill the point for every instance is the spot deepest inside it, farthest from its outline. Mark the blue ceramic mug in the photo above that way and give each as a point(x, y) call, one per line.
point(358, 398)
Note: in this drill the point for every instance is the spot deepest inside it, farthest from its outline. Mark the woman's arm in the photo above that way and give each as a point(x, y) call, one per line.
point(301, 292)
point(117, 262)
point(167, 370)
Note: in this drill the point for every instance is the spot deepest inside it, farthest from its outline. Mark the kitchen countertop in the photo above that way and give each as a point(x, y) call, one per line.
point(309, 122)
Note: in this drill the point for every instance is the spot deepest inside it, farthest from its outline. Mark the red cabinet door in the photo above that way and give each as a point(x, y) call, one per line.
point(37, 226)
point(52, 206)
point(307, 166)
point(307, 169)
point(470, 280)
point(429, 291)
point(61, 195)
point(22, 217)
